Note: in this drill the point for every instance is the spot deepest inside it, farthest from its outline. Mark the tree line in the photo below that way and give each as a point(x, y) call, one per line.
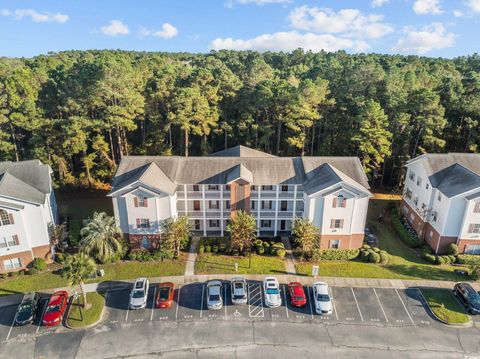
point(81, 111)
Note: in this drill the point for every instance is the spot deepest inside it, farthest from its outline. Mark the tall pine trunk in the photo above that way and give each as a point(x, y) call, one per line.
point(14, 141)
point(186, 142)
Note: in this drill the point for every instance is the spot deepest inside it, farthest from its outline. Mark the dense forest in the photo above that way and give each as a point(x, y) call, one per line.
point(81, 111)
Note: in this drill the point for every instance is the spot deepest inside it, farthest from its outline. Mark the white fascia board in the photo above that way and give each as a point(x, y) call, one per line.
point(344, 186)
point(134, 186)
point(22, 201)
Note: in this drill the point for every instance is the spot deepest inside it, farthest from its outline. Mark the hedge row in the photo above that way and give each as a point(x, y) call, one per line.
point(144, 255)
point(373, 255)
point(335, 254)
point(469, 259)
point(409, 238)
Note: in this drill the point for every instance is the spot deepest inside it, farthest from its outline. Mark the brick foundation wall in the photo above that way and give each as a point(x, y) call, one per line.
point(43, 252)
point(25, 259)
point(135, 240)
point(345, 241)
point(462, 243)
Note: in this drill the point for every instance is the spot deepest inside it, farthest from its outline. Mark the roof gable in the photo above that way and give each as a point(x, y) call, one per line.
point(12, 187)
point(240, 151)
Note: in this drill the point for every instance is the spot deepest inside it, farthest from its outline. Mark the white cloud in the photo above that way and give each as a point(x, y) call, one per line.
point(35, 16)
point(349, 22)
point(378, 3)
point(423, 7)
point(474, 5)
point(115, 28)
point(289, 41)
point(458, 13)
point(168, 31)
point(432, 37)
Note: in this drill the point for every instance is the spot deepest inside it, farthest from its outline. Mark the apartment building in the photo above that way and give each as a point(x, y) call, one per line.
point(331, 191)
point(441, 200)
point(27, 208)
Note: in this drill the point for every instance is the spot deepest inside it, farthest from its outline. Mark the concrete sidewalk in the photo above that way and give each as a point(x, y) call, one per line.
point(182, 280)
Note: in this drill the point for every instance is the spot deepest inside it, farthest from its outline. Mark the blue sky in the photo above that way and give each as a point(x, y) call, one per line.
point(445, 28)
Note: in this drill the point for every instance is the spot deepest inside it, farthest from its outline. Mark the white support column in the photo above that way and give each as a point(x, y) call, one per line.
point(221, 210)
point(203, 211)
point(258, 210)
point(294, 208)
point(276, 212)
point(185, 199)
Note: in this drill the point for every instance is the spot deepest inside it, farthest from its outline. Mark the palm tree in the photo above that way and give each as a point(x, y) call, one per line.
point(176, 233)
point(101, 237)
point(76, 269)
point(305, 234)
point(243, 230)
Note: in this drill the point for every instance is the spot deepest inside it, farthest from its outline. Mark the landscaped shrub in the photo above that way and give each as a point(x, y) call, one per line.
point(374, 257)
point(453, 259)
point(281, 253)
point(376, 249)
point(452, 249)
point(469, 259)
point(439, 260)
point(366, 246)
point(201, 249)
point(32, 271)
point(258, 242)
point(430, 258)
point(236, 252)
point(446, 259)
point(208, 248)
point(266, 245)
point(335, 254)
point(384, 257)
point(364, 255)
point(475, 273)
point(215, 249)
point(410, 239)
point(426, 250)
point(222, 247)
point(260, 250)
point(39, 264)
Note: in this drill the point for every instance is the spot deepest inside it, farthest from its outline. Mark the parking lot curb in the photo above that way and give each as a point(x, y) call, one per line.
point(432, 313)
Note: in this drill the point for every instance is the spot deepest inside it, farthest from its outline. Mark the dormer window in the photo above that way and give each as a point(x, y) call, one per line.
point(339, 201)
point(5, 218)
point(140, 201)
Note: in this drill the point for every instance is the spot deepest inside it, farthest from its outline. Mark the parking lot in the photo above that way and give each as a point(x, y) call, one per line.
point(392, 307)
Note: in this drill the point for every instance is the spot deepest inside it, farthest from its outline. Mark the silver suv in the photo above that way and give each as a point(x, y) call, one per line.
point(139, 294)
point(214, 295)
point(238, 286)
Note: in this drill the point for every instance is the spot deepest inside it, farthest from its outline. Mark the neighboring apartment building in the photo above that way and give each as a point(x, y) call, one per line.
point(441, 200)
point(27, 208)
point(331, 191)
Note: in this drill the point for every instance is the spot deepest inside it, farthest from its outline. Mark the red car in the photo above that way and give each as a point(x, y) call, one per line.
point(55, 309)
point(164, 297)
point(297, 294)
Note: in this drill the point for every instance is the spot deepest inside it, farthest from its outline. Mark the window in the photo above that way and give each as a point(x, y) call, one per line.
point(419, 181)
point(408, 193)
point(411, 175)
point(476, 209)
point(197, 224)
point(283, 206)
point(252, 204)
point(267, 188)
point(284, 188)
point(196, 188)
point(143, 223)
point(424, 206)
point(9, 241)
point(214, 204)
point(267, 204)
point(227, 204)
point(145, 242)
point(430, 235)
point(472, 249)
point(214, 223)
point(439, 198)
point(196, 205)
point(266, 223)
point(227, 187)
point(5, 218)
point(12, 263)
point(282, 224)
point(434, 215)
point(140, 201)
point(474, 228)
point(213, 187)
point(336, 223)
point(339, 201)
point(427, 186)
point(334, 243)
point(253, 188)
point(415, 200)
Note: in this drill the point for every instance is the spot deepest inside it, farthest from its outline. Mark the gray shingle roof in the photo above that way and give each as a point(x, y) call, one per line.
point(241, 151)
point(240, 172)
point(25, 180)
point(452, 173)
point(266, 170)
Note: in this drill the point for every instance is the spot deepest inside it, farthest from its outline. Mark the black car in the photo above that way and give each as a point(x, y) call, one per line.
point(468, 296)
point(27, 310)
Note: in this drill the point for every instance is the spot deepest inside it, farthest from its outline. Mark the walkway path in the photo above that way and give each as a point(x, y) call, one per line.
point(192, 257)
point(289, 261)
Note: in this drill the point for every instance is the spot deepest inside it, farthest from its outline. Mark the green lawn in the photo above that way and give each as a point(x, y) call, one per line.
point(113, 271)
point(404, 262)
point(209, 263)
point(78, 318)
point(445, 306)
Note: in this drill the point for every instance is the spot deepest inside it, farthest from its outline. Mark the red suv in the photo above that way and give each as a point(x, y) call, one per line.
point(297, 294)
point(55, 309)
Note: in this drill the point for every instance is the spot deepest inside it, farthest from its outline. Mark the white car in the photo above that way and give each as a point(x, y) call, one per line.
point(321, 296)
point(271, 289)
point(139, 294)
point(238, 287)
point(214, 295)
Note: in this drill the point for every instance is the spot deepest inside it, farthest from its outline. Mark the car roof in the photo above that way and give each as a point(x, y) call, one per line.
point(214, 283)
point(55, 300)
point(214, 290)
point(321, 287)
point(28, 297)
point(238, 279)
point(166, 284)
point(139, 283)
point(298, 290)
point(468, 288)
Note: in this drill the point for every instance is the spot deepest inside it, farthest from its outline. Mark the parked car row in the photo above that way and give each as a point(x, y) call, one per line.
point(28, 310)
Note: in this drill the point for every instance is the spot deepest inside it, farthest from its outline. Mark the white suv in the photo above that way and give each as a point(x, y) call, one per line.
point(271, 289)
point(139, 294)
point(321, 295)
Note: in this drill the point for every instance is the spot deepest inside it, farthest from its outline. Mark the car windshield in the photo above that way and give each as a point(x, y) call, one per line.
point(53, 308)
point(238, 285)
point(474, 298)
point(214, 297)
point(25, 307)
point(323, 297)
point(272, 291)
point(138, 294)
point(164, 292)
point(238, 296)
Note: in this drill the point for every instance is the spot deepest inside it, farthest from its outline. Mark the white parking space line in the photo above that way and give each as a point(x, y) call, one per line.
point(41, 318)
point(225, 299)
point(128, 309)
point(381, 306)
point(333, 303)
point(310, 299)
point(404, 306)
point(11, 326)
point(178, 301)
point(285, 297)
point(201, 305)
point(153, 303)
point(358, 307)
point(255, 302)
